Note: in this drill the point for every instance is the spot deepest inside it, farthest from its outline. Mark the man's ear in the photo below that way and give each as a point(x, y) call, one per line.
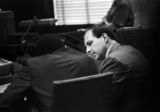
point(105, 36)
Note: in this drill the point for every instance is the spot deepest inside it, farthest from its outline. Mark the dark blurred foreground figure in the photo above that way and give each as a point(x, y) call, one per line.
point(129, 93)
point(35, 80)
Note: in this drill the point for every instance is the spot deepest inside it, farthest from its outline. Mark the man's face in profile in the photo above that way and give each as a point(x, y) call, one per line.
point(95, 47)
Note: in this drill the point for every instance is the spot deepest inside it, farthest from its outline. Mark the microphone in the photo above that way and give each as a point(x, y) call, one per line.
point(53, 21)
point(34, 20)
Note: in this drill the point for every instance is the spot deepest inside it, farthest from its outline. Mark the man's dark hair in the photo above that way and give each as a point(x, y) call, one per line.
point(99, 29)
point(48, 43)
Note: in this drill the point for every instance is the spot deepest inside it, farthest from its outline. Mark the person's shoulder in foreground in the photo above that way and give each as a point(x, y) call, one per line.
point(53, 62)
point(69, 58)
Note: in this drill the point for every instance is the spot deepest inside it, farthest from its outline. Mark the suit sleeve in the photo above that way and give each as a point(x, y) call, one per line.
point(121, 70)
point(13, 97)
point(111, 64)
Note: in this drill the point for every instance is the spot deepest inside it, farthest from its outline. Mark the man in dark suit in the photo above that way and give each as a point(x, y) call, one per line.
point(55, 62)
point(129, 63)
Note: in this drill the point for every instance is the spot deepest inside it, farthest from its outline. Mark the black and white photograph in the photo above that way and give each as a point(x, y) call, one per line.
point(79, 55)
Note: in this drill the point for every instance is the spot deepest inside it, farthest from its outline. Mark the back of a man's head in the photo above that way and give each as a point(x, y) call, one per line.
point(48, 43)
point(99, 29)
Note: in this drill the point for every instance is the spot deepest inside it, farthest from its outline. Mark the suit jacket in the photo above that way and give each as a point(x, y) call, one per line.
point(43, 70)
point(130, 85)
